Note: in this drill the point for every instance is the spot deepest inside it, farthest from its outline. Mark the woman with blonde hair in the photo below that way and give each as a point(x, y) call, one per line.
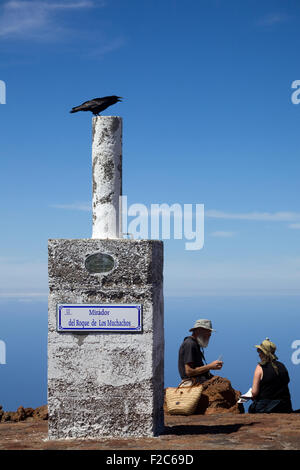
point(270, 391)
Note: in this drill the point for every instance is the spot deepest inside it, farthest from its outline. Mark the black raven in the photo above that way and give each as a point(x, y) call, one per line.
point(97, 105)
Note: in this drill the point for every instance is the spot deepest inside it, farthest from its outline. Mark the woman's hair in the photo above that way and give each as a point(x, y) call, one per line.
point(268, 357)
point(268, 348)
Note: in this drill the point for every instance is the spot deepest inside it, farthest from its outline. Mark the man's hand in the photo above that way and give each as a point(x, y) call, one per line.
point(216, 365)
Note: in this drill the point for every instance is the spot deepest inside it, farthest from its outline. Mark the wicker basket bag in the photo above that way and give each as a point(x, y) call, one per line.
point(183, 400)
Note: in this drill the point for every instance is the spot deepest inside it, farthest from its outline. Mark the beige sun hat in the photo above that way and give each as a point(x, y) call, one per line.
point(268, 348)
point(203, 323)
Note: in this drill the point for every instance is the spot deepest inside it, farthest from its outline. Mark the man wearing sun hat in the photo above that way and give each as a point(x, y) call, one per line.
point(191, 356)
point(270, 391)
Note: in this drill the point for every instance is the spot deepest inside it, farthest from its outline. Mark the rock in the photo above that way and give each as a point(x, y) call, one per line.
point(10, 416)
point(14, 416)
point(29, 412)
point(218, 396)
point(41, 412)
point(23, 413)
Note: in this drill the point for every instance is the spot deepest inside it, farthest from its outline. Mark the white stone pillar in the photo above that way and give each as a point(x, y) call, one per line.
point(107, 176)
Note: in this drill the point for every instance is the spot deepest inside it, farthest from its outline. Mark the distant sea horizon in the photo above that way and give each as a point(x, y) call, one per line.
point(241, 323)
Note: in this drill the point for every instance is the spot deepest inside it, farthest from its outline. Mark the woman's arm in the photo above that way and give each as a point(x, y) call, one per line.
point(258, 374)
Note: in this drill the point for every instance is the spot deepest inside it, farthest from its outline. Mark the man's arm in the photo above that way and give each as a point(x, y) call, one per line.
point(191, 371)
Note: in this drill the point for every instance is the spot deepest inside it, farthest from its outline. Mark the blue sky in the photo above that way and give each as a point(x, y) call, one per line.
point(208, 119)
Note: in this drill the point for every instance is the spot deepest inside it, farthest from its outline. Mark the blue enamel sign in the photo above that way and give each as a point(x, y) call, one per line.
point(99, 317)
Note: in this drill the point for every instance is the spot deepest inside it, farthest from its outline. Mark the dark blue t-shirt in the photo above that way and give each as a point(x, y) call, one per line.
point(190, 351)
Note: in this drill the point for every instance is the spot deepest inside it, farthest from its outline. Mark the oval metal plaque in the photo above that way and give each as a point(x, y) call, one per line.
point(99, 263)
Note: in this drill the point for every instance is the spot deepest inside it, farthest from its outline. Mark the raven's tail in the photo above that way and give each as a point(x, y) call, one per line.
point(75, 110)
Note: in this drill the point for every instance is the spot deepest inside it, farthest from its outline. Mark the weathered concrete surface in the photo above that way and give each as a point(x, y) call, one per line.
point(107, 176)
point(106, 384)
point(214, 432)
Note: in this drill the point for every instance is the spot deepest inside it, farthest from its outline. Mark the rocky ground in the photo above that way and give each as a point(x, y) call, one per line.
point(218, 424)
point(224, 431)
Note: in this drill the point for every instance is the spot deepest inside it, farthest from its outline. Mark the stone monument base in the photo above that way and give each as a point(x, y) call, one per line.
point(106, 384)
